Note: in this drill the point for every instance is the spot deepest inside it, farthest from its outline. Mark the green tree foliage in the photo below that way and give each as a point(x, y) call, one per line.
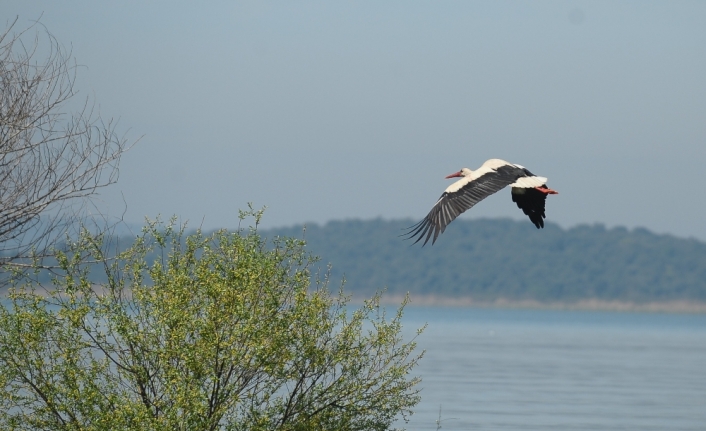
point(219, 332)
point(488, 259)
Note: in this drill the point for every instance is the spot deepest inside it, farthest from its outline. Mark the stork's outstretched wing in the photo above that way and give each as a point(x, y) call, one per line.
point(531, 202)
point(461, 196)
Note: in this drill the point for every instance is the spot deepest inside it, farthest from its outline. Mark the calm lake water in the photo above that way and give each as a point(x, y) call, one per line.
point(493, 369)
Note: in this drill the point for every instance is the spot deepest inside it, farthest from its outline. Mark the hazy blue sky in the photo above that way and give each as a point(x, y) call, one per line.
point(330, 110)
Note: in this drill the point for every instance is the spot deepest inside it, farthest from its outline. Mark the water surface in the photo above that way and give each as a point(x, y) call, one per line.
point(493, 369)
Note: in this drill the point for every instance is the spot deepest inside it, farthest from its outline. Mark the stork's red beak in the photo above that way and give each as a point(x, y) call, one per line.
point(454, 175)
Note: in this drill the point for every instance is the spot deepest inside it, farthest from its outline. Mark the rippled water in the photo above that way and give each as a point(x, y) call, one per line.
point(560, 370)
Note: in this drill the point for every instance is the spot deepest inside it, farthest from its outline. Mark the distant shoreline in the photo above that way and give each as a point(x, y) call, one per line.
point(683, 306)
point(583, 304)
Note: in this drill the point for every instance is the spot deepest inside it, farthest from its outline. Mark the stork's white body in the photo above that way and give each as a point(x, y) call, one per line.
point(529, 192)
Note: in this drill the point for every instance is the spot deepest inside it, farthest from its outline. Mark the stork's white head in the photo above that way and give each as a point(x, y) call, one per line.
point(465, 172)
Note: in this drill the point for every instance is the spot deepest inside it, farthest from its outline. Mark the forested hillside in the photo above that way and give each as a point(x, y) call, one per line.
point(491, 259)
point(498, 258)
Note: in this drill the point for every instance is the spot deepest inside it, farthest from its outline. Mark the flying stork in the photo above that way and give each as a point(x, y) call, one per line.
point(529, 192)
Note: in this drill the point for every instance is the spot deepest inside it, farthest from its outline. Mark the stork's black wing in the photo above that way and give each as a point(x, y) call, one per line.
point(531, 202)
point(461, 197)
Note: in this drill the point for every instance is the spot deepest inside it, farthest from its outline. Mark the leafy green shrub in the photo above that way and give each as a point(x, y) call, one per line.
point(220, 332)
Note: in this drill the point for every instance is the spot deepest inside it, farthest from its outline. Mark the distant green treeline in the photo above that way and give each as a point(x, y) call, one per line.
point(489, 259)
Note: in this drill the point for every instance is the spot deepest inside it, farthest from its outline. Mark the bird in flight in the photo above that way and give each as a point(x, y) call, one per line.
point(529, 192)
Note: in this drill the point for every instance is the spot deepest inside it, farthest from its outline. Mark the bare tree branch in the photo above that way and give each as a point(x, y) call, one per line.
point(51, 161)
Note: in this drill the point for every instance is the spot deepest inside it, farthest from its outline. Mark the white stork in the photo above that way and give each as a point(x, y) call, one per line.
point(529, 192)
